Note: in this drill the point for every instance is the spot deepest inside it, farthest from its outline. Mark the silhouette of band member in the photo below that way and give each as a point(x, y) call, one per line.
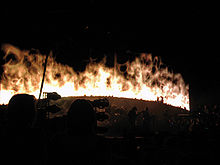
point(132, 116)
point(146, 120)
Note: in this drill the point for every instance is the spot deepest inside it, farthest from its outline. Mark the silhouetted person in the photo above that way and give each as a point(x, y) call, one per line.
point(77, 144)
point(146, 120)
point(132, 116)
point(166, 118)
point(22, 143)
point(160, 99)
point(21, 111)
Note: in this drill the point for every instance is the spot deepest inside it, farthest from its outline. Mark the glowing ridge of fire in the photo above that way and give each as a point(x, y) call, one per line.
point(144, 78)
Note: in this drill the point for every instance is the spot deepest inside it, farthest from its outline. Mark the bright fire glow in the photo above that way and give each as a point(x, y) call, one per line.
point(144, 78)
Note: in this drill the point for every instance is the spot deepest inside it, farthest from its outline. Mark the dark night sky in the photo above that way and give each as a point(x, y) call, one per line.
point(183, 35)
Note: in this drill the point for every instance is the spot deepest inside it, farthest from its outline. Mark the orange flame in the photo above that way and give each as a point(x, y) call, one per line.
point(144, 78)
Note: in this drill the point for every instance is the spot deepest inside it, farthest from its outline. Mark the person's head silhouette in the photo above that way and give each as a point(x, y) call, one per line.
point(146, 109)
point(21, 110)
point(81, 117)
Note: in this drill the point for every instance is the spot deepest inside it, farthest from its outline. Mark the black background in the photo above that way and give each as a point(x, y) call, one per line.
point(184, 35)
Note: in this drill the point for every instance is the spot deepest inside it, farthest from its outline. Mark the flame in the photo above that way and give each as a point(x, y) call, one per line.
point(144, 78)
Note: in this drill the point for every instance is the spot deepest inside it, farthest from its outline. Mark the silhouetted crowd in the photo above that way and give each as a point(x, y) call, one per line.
point(26, 138)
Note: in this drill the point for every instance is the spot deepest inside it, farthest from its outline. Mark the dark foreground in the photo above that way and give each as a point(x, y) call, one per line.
point(191, 139)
